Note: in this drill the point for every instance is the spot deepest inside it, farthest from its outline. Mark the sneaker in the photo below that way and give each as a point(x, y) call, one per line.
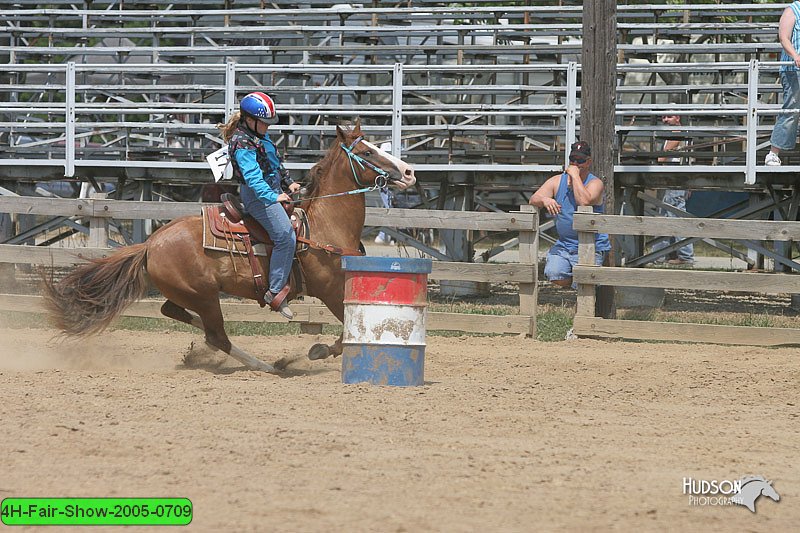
point(772, 159)
point(379, 240)
point(570, 336)
point(283, 309)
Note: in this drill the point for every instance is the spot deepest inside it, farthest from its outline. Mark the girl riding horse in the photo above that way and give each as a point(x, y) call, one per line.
point(258, 169)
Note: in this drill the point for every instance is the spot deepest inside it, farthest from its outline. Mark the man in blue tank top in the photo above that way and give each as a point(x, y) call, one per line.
point(560, 196)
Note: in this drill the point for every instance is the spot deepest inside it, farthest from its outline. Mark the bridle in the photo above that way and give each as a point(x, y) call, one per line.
point(381, 180)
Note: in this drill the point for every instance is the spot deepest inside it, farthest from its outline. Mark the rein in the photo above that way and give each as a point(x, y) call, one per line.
point(354, 191)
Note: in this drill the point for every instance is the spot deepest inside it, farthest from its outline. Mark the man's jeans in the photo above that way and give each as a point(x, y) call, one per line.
point(675, 199)
point(277, 223)
point(784, 136)
point(560, 263)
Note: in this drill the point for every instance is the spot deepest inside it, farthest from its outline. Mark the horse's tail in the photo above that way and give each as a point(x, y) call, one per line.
point(90, 297)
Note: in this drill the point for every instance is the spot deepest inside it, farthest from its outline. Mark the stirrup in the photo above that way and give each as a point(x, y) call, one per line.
point(277, 302)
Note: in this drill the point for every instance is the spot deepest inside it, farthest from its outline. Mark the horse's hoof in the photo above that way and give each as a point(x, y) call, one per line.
point(264, 367)
point(319, 351)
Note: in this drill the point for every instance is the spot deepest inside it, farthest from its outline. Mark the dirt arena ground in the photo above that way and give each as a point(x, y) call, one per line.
point(508, 434)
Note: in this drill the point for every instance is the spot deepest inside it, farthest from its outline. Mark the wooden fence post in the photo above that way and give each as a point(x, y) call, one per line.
point(98, 226)
point(529, 256)
point(586, 254)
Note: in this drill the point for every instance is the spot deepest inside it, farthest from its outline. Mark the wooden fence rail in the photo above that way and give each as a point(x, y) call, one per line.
point(587, 276)
point(100, 211)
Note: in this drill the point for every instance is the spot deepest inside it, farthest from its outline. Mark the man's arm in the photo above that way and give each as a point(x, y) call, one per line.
point(545, 196)
point(785, 29)
point(591, 194)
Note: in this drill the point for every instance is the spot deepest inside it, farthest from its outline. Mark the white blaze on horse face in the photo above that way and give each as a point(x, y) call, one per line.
point(406, 171)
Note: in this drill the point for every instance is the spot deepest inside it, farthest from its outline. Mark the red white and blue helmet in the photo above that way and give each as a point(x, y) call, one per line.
point(260, 107)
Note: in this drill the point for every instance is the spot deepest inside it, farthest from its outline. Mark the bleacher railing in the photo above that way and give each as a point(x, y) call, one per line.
point(407, 114)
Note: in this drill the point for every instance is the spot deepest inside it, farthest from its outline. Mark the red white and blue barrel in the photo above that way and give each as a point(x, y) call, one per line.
point(385, 303)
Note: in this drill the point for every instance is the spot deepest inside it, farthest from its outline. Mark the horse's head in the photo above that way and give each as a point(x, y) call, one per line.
point(369, 163)
point(768, 491)
point(751, 488)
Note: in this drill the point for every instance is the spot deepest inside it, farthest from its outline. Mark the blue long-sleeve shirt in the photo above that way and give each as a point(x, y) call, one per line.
point(266, 183)
point(257, 165)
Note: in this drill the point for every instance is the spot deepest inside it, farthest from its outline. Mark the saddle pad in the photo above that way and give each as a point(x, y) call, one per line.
point(230, 243)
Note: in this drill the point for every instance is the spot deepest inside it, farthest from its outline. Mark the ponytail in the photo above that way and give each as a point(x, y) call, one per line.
point(228, 128)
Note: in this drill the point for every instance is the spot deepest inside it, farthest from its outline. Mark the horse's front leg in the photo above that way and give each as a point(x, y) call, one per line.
point(323, 351)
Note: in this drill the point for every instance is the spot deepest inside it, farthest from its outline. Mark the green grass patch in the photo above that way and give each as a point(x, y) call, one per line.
point(553, 324)
point(473, 308)
point(757, 320)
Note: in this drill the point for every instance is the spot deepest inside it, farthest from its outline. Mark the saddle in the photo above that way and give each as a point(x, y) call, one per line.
point(230, 218)
point(228, 226)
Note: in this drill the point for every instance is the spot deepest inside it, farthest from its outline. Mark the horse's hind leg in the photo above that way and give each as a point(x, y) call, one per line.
point(212, 324)
point(172, 310)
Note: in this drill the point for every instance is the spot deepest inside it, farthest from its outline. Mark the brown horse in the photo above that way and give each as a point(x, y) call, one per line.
point(191, 278)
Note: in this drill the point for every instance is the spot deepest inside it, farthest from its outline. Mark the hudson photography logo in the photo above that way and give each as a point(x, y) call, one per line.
point(744, 491)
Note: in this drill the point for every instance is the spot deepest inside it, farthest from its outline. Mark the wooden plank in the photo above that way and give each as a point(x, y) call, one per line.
point(716, 228)
point(233, 311)
point(131, 210)
point(32, 205)
point(98, 226)
point(529, 260)
point(586, 297)
point(689, 279)
point(49, 256)
point(442, 219)
point(395, 217)
point(21, 303)
point(490, 272)
point(677, 331)
point(479, 323)
point(304, 313)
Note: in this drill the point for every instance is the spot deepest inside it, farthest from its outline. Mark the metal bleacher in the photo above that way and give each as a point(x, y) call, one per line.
point(475, 94)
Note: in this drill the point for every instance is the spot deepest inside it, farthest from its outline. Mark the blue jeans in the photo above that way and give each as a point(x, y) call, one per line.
point(784, 136)
point(675, 199)
point(560, 262)
point(277, 223)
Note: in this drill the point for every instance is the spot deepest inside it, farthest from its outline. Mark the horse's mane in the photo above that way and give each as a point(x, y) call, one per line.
point(320, 170)
point(747, 479)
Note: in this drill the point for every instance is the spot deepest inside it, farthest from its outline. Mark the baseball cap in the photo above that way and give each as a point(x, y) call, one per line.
point(580, 152)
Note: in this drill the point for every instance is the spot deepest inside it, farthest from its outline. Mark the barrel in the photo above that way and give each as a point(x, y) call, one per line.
point(385, 303)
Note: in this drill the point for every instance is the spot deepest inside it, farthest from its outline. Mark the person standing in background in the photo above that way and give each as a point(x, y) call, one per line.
point(784, 135)
point(676, 198)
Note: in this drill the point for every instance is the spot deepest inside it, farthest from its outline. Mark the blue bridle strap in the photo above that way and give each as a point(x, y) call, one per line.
point(382, 175)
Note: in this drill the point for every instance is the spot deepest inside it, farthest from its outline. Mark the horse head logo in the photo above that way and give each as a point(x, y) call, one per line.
point(752, 488)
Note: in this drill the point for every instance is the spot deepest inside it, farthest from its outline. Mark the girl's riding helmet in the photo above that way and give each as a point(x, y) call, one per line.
point(260, 107)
